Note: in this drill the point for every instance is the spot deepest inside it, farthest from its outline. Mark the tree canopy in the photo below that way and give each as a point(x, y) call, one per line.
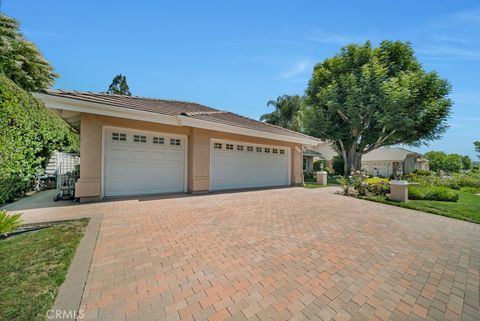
point(286, 113)
point(451, 163)
point(364, 98)
point(119, 86)
point(20, 60)
point(477, 148)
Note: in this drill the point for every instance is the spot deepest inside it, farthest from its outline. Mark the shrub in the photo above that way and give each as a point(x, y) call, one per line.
point(473, 190)
point(379, 188)
point(362, 185)
point(355, 182)
point(432, 193)
point(28, 135)
point(338, 164)
point(463, 180)
point(308, 175)
point(440, 193)
point(9, 223)
point(455, 181)
point(415, 193)
point(316, 165)
point(375, 180)
point(423, 172)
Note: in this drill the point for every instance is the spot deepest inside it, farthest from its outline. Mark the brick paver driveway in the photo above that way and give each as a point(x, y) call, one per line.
point(284, 254)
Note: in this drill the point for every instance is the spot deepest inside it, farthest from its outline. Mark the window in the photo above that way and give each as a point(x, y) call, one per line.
point(275, 151)
point(217, 145)
point(158, 140)
point(267, 150)
point(282, 151)
point(139, 139)
point(175, 142)
point(239, 147)
point(229, 146)
point(304, 164)
point(249, 148)
point(259, 149)
point(119, 136)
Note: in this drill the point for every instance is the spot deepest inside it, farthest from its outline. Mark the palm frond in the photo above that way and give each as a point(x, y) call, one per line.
point(9, 223)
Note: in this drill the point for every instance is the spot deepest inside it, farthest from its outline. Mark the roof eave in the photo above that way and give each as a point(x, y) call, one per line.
point(71, 104)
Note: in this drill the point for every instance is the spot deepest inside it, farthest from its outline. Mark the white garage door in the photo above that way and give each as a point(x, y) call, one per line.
point(143, 163)
point(244, 165)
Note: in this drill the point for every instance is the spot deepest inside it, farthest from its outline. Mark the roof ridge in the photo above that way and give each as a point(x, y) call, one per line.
point(194, 113)
point(127, 96)
point(272, 125)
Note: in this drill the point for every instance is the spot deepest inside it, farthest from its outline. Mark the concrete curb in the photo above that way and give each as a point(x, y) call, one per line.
point(67, 303)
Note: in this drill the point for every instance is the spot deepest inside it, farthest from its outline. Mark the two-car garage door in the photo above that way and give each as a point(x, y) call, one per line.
point(244, 165)
point(138, 162)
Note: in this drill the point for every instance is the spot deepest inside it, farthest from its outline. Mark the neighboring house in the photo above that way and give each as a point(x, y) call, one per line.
point(385, 161)
point(310, 156)
point(327, 152)
point(135, 145)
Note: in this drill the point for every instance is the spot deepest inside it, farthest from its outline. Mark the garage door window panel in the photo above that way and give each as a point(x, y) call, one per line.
point(121, 137)
point(140, 139)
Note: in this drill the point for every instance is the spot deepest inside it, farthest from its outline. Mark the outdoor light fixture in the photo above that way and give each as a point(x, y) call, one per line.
point(399, 173)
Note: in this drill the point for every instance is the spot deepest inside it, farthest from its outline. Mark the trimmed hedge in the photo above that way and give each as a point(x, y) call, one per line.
point(455, 181)
point(432, 193)
point(29, 133)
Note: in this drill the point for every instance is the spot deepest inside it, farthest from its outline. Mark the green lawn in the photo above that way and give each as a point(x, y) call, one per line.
point(32, 267)
point(312, 182)
point(467, 208)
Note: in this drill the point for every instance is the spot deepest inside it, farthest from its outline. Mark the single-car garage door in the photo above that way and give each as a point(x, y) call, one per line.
point(137, 162)
point(245, 165)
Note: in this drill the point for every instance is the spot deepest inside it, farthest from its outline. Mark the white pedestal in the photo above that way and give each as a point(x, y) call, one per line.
point(322, 178)
point(399, 191)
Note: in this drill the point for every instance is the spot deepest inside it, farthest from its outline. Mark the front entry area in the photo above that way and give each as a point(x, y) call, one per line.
point(236, 165)
point(140, 163)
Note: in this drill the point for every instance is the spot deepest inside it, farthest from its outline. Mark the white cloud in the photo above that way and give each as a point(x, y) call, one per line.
point(449, 52)
point(337, 39)
point(298, 68)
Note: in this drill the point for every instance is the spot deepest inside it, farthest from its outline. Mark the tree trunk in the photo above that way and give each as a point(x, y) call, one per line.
point(352, 161)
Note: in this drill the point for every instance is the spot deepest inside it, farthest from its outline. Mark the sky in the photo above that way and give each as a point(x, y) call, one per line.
point(238, 55)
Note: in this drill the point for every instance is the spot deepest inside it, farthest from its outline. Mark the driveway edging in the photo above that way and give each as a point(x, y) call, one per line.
point(69, 297)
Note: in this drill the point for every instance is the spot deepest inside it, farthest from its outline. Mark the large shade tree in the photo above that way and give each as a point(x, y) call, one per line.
point(364, 98)
point(477, 148)
point(441, 161)
point(286, 113)
point(20, 59)
point(119, 86)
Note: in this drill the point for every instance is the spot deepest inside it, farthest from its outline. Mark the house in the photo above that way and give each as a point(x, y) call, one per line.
point(385, 161)
point(309, 157)
point(136, 145)
point(326, 151)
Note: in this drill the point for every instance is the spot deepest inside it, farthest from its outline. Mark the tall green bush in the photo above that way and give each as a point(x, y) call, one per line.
point(29, 133)
point(338, 165)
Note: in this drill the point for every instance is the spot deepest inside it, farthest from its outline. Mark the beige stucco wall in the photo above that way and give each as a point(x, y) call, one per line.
point(198, 154)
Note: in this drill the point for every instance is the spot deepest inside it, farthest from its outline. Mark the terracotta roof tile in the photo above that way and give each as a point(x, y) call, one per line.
point(175, 108)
